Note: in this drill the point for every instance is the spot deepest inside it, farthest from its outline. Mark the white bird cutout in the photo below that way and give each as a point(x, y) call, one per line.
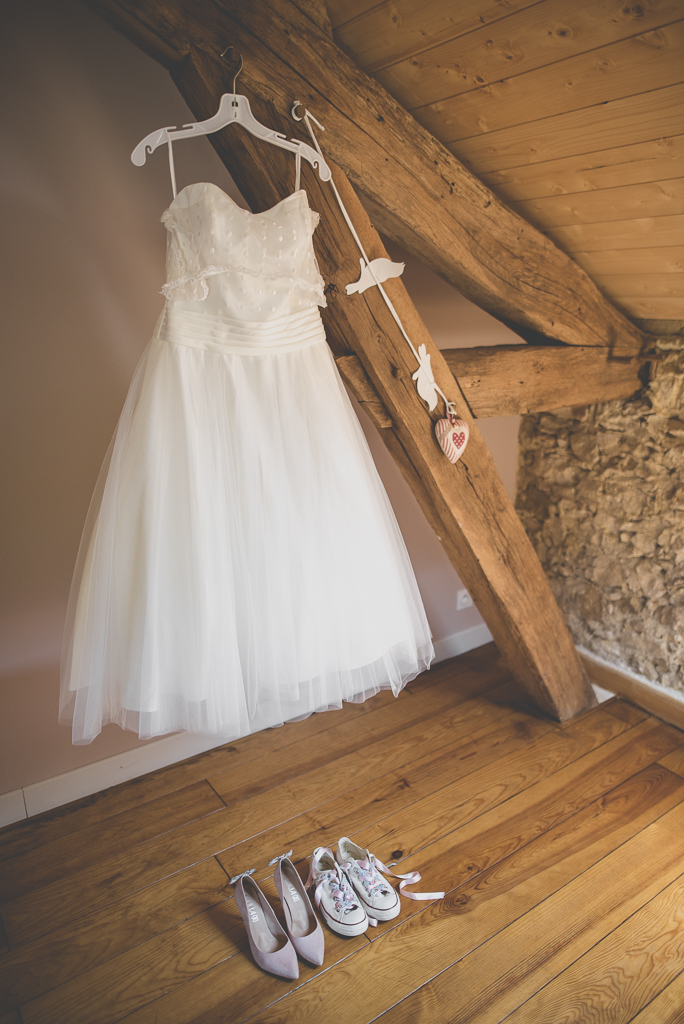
point(425, 378)
point(375, 272)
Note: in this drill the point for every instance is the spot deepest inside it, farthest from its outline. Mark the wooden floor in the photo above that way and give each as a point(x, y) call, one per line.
point(560, 850)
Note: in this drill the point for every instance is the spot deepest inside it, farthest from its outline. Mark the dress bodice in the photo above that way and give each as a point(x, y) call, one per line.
point(226, 261)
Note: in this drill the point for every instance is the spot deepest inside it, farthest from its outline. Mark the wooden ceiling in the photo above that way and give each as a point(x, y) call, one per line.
point(572, 111)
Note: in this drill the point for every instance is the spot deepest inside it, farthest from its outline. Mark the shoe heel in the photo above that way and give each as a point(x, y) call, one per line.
point(301, 923)
point(270, 946)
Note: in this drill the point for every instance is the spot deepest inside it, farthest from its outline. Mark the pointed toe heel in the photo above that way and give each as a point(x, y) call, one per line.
point(301, 923)
point(270, 946)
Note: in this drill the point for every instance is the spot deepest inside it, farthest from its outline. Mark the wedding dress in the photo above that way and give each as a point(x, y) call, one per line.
point(241, 565)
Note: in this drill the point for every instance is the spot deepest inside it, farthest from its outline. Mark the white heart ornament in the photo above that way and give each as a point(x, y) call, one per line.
point(452, 435)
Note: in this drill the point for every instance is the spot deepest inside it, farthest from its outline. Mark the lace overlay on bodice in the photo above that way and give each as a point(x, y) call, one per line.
point(249, 266)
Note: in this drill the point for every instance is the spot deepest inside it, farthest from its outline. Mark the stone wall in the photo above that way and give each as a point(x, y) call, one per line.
point(601, 495)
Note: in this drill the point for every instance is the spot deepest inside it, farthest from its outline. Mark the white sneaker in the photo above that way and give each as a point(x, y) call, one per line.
point(334, 897)
point(377, 896)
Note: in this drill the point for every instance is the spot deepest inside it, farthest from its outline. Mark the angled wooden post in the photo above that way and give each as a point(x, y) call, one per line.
point(466, 504)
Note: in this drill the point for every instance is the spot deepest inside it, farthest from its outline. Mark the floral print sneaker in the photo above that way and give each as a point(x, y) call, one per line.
point(334, 897)
point(379, 899)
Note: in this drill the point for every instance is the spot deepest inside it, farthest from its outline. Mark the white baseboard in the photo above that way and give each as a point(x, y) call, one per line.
point(93, 778)
point(461, 643)
point(12, 807)
point(110, 771)
point(602, 695)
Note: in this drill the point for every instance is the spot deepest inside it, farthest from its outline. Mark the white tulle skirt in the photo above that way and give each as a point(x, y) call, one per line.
point(241, 565)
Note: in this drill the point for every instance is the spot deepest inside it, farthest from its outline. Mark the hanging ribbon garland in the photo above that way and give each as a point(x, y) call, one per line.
point(451, 432)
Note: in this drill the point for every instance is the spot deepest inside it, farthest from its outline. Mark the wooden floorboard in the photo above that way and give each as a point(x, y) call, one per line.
point(675, 761)
point(624, 711)
point(558, 847)
point(497, 976)
point(485, 838)
point(296, 760)
point(625, 969)
point(383, 797)
point(35, 968)
point(71, 854)
point(666, 1008)
point(43, 828)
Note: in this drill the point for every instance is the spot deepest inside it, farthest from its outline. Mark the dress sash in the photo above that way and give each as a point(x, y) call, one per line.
point(242, 337)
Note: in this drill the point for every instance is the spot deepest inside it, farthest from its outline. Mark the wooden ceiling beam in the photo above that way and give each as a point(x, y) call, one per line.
point(511, 380)
point(466, 504)
point(416, 191)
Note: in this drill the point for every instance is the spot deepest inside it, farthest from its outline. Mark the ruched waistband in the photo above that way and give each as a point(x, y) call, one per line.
point(242, 337)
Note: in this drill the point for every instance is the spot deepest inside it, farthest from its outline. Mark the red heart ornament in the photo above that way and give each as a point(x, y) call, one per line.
point(452, 435)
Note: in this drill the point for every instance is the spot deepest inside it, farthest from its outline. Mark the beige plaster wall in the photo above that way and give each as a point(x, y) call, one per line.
point(82, 265)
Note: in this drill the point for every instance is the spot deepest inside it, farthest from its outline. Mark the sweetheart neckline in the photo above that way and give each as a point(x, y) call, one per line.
point(212, 185)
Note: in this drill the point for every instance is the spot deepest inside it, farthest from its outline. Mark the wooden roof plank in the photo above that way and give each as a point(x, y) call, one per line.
point(653, 60)
point(387, 31)
point(642, 233)
point(624, 122)
point(669, 259)
point(652, 308)
point(646, 286)
point(655, 160)
point(470, 39)
point(540, 41)
point(625, 202)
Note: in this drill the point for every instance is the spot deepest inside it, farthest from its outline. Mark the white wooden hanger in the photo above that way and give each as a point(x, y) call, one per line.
point(233, 109)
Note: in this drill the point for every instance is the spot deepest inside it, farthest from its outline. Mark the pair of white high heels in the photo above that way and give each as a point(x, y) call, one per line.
point(275, 949)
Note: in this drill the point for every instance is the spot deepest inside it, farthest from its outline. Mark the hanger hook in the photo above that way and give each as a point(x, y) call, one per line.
point(235, 76)
point(306, 115)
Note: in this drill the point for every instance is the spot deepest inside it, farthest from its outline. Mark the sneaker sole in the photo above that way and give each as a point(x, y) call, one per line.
point(382, 915)
point(341, 929)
